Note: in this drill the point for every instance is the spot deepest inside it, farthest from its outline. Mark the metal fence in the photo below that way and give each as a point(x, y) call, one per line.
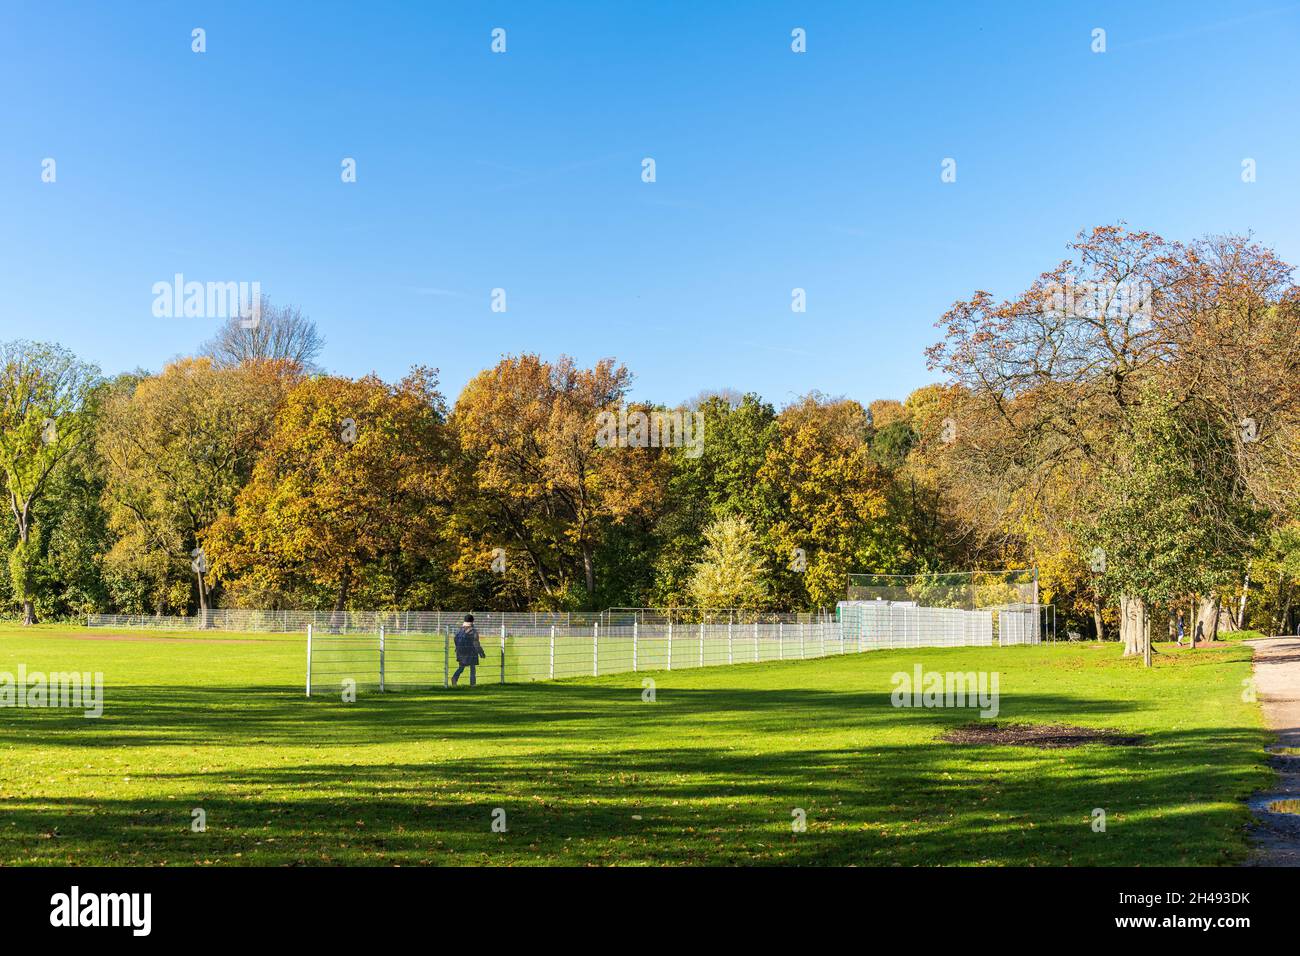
point(342, 622)
point(968, 590)
point(392, 650)
point(392, 659)
point(880, 625)
point(396, 657)
point(435, 622)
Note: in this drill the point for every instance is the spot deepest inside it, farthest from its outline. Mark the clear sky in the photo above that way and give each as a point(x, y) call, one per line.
point(522, 171)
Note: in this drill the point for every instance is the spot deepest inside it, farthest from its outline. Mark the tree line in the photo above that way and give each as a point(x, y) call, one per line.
point(1127, 424)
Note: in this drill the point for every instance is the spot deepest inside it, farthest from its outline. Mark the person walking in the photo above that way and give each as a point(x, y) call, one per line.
point(468, 651)
point(1180, 627)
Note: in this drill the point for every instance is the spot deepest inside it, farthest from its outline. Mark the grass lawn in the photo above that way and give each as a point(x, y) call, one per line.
point(588, 773)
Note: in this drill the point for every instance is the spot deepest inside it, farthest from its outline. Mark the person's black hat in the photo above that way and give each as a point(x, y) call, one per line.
point(469, 618)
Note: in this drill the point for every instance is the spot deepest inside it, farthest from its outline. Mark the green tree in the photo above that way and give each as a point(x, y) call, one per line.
point(1170, 519)
point(730, 574)
point(46, 412)
point(722, 481)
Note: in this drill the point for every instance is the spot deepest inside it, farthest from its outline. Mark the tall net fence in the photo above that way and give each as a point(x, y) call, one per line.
point(881, 625)
point(342, 622)
point(436, 622)
point(964, 590)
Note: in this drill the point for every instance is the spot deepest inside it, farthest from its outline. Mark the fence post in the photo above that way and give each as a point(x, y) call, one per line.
point(822, 631)
point(552, 652)
point(670, 648)
point(634, 636)
point(308, 660)
point(803, 630)
point(446, 659)
point(780, 640)
point(503, 650)
point(731, 658)
point(595, 649)
point(755, 642)
point(381, 658)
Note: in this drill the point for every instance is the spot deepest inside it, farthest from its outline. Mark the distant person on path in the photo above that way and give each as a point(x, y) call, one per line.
point(468, 651)
point(1200, 634)
point(1180, 627)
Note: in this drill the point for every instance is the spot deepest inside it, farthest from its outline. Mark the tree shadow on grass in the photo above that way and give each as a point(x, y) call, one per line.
point(715, 775)
point(165, 715)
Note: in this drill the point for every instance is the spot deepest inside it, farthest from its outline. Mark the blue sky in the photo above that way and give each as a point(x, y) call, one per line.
point(522, 171)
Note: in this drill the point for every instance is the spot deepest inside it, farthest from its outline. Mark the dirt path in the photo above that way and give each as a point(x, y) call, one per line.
point(1277, 683)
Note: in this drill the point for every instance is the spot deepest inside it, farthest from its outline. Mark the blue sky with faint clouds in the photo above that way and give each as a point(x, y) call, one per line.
point(522, 171)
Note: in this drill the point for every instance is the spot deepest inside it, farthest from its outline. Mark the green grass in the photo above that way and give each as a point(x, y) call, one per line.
point(588, 773)
point(1242, 636)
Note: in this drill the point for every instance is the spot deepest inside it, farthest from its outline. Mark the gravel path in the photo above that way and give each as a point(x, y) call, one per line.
point(1277, 684)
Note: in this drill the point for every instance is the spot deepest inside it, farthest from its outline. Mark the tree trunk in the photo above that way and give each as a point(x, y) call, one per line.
point(24, 531)
point(340, 605)
point(1209, 615)
point(204, 616)
point(1147, 649)
point(1279, 617)
point(1098, 624)
point(1132, 625)
point(1242, 623)
point(589, 569)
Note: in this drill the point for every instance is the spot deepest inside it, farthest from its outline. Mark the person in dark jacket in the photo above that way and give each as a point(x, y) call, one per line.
point(468, 651)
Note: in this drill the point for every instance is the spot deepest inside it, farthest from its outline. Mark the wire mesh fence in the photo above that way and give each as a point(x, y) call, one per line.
point(965, 590)
point(880, 625)
point(391, 650)
point(342, 622)
point(395, 659)
point(435, 622)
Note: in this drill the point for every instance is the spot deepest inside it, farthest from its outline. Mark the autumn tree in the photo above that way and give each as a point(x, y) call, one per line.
point(178, 447)
point(353, 474)
point(1051, 384)
point(540, 487)
point(830, 499)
